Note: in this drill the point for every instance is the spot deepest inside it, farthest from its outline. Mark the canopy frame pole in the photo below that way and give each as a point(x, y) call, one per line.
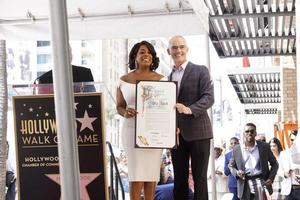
point(64, 102)
point(212, 151)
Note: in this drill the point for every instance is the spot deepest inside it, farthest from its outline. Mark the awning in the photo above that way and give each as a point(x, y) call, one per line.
point(258, 88)
point(252, 27)
point(101, 19)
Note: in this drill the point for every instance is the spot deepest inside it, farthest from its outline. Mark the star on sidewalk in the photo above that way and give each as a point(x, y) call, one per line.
point(85, 179)
point(86, 121)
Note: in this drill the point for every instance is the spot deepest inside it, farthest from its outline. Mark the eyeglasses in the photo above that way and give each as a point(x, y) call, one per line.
point(178, 47)
point(250, 131)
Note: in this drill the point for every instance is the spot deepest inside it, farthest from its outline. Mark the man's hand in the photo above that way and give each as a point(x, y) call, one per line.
point(288, 174)
point(241, 174)
point(268, 182)
point(297, 178)
point(183, 109)
point(177, 131)
point(177, 136)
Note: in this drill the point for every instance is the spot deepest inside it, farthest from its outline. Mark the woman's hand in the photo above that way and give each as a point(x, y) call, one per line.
point(130, 112)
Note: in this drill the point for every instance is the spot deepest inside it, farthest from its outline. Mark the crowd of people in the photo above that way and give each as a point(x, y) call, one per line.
point(267, 172)
point(252, 167)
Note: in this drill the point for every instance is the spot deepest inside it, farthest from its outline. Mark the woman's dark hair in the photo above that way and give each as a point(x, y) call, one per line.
point(277, 142)
point(134, 51)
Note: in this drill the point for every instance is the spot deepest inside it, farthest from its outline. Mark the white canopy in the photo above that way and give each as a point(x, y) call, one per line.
point(104, 19)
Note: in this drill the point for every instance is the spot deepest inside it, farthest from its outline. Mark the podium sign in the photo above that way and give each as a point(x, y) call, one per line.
point(37, 152)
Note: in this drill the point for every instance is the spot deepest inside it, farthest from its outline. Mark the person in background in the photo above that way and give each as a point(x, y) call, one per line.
point(276, 149)
point(166, 171)
point(165, 191)
point(290, 185)
point(221, 179)
point(123, 170)
point(261, 138)
point(232, 184)
point(80, 74)
point(143, 164)
point(195, 97)
point(10, 179)
point(296, 149)
point(254, 166)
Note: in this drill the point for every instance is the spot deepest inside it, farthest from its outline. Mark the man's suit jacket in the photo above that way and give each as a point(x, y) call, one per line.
point(231, 179)
point(80, 74)
point(266, 157)
point(195, 91)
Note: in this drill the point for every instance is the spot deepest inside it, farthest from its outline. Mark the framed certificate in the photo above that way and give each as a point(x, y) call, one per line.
point(156, 118)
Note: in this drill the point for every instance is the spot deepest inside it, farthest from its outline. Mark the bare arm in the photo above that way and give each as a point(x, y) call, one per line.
point(121, 103)
point(122, 106)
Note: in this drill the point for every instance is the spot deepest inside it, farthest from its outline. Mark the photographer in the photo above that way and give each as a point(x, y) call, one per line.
point(10, 179)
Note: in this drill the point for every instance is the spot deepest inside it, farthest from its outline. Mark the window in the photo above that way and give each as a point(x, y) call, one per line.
point(84, 62)
point(43, 43)
point(83, 43)
point(43, 58)
point(40, 73)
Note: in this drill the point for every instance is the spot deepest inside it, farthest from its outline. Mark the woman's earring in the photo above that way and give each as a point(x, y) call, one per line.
point(151, 66)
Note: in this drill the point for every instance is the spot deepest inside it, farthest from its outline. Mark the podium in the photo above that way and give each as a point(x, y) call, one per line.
point(36, 141)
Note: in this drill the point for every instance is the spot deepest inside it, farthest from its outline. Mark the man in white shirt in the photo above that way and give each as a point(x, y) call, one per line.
point(221, 179)
point(250, 165)
point(290, 186)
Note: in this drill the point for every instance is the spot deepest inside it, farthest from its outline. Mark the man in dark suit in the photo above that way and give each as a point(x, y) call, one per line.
point(254, 166)
point(80, 74)
point(232, 184)
point(195, 96)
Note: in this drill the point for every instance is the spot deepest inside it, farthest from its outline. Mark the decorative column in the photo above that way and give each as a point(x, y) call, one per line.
point(3, 118)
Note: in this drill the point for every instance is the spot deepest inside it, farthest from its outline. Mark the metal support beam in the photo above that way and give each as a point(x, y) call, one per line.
point(297, 62)
point(252, 15)
point(64, 102)
point(121, 15)
point(202, 12)
point(263, 54)
point(3, 117)
point(212, 152)
point(263, 38)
